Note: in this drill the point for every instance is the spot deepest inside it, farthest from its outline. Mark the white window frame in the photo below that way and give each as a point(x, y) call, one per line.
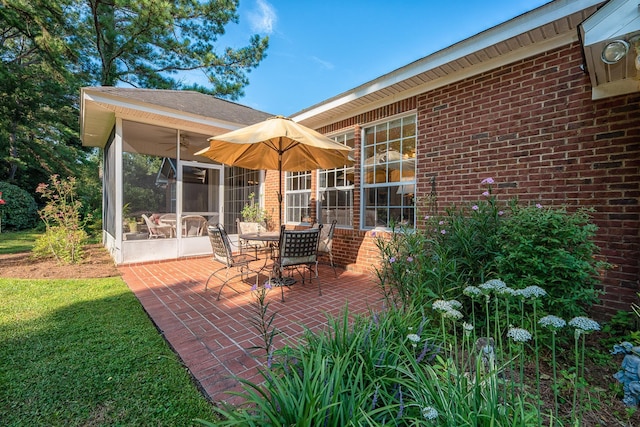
point(388, 171)
point(301, 207)
point(344, 215)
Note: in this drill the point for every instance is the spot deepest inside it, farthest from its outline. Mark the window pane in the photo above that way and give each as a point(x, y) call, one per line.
point(389, 173)
point(297, 196)
point(395, 130)
point(335, 190)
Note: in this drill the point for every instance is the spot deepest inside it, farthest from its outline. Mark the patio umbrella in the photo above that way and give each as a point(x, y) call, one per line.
point(277, 143)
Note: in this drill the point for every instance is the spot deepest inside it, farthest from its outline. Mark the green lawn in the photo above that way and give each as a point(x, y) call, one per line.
point(17, 241)
point(83, 352)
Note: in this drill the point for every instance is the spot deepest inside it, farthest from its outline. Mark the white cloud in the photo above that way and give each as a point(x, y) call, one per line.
point(325, 64)
point(264, 19)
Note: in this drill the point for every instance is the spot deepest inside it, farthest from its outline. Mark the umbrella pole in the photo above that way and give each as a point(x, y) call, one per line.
point(280, 189)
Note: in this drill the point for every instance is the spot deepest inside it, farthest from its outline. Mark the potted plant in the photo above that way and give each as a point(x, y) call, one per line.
point(252, 212)
point(131, 221)
point(133, 224)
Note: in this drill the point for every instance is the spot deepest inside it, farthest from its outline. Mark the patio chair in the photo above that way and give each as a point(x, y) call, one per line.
point(253, 245)
point(193, 225)
point(223, 254)
point(297, 249)
point(325, 246)
point(157, 230)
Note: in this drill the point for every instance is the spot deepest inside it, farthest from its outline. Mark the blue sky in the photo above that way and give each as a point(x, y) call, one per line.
point(319, 49)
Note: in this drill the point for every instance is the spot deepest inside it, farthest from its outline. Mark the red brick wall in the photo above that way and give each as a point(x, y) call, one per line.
point(533, 127)
point(270, 197)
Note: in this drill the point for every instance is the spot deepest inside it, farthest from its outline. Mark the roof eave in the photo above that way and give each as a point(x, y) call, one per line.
point(433, 70)
point(103, 108)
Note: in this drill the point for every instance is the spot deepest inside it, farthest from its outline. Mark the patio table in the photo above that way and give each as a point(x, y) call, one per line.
point(171, 222)
point(267, 237)
point(272, 238)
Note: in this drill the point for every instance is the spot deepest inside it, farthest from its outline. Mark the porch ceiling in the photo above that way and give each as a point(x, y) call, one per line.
point(552, 25)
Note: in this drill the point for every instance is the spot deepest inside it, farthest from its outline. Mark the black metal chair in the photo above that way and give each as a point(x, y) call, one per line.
point(223, 254)
point(297, 249)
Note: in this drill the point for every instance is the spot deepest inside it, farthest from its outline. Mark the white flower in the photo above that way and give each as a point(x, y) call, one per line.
point(506, 291)
point(493, 285)
point(452, 314)
point(448, 308)
point(441, 305)
point(454, 303)
point(519, 334)
point(532, 292)
point(413, 337)
point(552, 322)
point(472, 291)
point(584, 324)
point(467, 327)
point(429, 413)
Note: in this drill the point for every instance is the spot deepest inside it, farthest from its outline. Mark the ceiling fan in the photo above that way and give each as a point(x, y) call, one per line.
point(184, 144)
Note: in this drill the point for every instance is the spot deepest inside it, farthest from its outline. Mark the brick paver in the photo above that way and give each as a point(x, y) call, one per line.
point(213, 338)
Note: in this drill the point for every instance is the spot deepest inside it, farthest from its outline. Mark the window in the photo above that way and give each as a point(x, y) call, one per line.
point(239, 183)
point(389, 173)
point(298, 197)
point(335, 190)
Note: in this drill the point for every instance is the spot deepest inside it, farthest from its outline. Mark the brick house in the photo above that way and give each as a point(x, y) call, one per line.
point(529, 103)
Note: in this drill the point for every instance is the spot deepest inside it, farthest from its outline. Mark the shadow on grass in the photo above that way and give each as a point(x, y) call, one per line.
point(84, 352)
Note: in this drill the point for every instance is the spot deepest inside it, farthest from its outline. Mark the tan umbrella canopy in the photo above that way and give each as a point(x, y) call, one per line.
point(277, 143)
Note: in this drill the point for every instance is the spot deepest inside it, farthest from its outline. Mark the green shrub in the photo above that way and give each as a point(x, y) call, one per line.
point(415, 268)
point(64, 236)
point(61, 244)
point(553, 249)
point(472, 243)
point(20, 211)
point(456, 248)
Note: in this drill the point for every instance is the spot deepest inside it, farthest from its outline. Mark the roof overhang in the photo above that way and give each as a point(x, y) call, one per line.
point(99, 110)
point(548, 27)
point(617, 20)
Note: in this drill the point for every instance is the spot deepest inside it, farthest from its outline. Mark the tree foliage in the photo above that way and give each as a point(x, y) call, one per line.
point(38, 108)
point(49, 49)
point(146, 43)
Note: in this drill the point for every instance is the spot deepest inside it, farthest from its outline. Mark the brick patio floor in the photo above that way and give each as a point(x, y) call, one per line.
point(214, 338)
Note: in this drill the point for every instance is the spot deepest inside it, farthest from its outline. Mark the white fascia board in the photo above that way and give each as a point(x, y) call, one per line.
point(615, 88)
point(519, 25)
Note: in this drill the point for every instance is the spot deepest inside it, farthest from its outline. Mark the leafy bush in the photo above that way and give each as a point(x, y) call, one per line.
point(415, 268)
point(64, 236)
point(469, 244)
point(553, 249)
point(252, 212)
point(64, 245)
point(20, 211)
point(455, 249)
